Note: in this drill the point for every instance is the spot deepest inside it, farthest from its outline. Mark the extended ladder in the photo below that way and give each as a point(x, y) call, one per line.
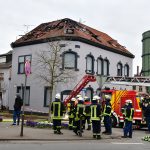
point(82, 83)
point(132, 81)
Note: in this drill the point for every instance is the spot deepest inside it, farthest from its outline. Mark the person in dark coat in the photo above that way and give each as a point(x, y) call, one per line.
point(17, 109)
point(146, 111)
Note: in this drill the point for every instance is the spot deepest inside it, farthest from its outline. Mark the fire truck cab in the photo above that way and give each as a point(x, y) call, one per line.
point(118, 98)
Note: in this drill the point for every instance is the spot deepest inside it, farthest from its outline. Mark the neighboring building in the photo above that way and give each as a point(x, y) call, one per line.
point(5, 78)
point(89, 51)
point(146, 55)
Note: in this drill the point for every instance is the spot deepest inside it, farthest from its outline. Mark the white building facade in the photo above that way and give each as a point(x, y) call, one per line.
point(84, 56)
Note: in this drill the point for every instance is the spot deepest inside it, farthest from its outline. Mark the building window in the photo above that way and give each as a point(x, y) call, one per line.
point(119, 69)
point(105, 67)
point(99, 66)
point(89, 64)
point(126, 70)
point(62, 45)
point(21, 91)
point(134, 87)
point(3, 59)
point(140, 89)
point(69, 60)
point(46, 96)
point(21, 63)
point(77, 46)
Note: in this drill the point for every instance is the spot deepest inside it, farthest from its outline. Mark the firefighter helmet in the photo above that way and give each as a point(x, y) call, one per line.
point(128, 101)
point(57, 96)
point(73, 99)
point(78, 96)
point(107, 97)
point(80, 99)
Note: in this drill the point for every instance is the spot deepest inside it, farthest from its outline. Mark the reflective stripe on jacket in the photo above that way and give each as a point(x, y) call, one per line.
point(107, 110)
point(129, 117)
point(95, 112)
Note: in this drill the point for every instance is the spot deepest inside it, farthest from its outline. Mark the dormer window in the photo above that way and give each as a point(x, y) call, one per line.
point(3, 59)
point(69, 31)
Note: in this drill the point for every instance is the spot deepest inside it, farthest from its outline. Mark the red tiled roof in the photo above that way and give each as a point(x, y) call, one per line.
point(67, 28)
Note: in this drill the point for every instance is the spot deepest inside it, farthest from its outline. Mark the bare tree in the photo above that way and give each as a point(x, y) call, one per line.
point(50, 70)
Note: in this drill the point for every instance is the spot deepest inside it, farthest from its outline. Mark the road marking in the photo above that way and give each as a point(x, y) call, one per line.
point(125, 143)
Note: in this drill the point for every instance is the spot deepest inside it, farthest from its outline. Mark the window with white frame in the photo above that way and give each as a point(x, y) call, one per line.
point(106, 67)
point(90, 64)
point(119, 69)
point(126, 70)
point(69, 60)
point(3, 59)
point(99, 66)
point(21, 63)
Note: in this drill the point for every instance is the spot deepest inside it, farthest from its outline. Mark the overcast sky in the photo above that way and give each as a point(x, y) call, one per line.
point(123, 20)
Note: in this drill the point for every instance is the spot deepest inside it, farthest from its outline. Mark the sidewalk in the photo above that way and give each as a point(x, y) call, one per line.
point(9, 132)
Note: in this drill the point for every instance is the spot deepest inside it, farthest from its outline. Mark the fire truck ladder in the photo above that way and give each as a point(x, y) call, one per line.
point(132, 81)
point(82, 83)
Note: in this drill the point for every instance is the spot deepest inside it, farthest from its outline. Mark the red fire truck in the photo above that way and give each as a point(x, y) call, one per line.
point(118, 98)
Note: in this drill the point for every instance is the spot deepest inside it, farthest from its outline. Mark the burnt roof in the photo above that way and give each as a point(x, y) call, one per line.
point(67, 29)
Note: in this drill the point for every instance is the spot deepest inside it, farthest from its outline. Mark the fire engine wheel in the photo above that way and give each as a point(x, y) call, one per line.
point(114, 121)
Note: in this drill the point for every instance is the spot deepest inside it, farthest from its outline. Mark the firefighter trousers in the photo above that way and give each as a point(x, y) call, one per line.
point(107, 124)
point(56, 125)
point(96, 125)
point(128, 128)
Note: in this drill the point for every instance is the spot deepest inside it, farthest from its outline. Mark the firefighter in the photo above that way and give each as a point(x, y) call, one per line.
point(128, 114)
point(146, 111)
point(71, 106)
point(79, 116)
point(87, 104)
point(107, 116)
point(96, 117)
point(57, 109)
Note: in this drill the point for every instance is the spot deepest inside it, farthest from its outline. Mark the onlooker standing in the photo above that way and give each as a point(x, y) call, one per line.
point(17, 109)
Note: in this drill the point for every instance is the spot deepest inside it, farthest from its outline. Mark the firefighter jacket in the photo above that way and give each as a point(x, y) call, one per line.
point(79, 111)
point(87, 108)
point(107, 109)
point(70, 107)
point(129, 112)
point(95, 111)
point(57, 109)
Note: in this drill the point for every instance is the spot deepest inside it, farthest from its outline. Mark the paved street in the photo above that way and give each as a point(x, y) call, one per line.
point(74, 145)
point(9, 133)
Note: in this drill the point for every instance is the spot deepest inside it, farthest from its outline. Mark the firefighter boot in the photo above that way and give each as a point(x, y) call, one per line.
point(98, 137)
point(89, 127)
point(59, 132)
